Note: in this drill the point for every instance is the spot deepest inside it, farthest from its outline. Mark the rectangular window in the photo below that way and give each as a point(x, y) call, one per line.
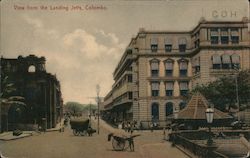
point(225, 66)
point(168, 48)
point(183, 88)
point(155, 89)
point(130, 79)
point(183, 68)
point(214, 40)
point(154, 73)
point(224, 40)
point(182, 47)
point(154, 48)
point(169, 68)
point(169, 88)
point(235, 39)
point(154, 69)
point(169, 73)
point(130, 95)
point(216, 66)
point(197, 69)
point(183, 73)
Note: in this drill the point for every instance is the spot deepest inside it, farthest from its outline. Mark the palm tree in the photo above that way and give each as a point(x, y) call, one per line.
point(6, 99)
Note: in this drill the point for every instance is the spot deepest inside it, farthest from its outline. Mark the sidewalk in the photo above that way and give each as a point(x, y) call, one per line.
point(58, 127)
point(7, 136)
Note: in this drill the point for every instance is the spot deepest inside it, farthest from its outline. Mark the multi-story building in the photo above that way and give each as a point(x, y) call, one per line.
point(41, 92)
point(158, 68)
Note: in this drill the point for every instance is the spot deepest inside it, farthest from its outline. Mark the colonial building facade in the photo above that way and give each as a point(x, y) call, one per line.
point(41, 92)
point(158, 68)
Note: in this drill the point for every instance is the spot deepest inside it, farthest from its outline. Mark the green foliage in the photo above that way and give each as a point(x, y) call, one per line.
point(5, 95)
point(75, 107)
point(222, 92)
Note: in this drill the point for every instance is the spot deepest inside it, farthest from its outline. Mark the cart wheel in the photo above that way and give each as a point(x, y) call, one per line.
point(118, 144)
point(75, 132)
point(83, 133)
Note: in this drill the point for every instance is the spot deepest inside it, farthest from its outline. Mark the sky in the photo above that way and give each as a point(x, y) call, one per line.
point(82, 46)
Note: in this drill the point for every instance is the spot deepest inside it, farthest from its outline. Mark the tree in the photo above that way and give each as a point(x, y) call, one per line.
point(222, 92)
point(6, 99)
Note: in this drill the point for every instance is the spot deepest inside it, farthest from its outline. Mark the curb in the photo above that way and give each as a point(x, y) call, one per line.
point(184, 151)
point(15, 138)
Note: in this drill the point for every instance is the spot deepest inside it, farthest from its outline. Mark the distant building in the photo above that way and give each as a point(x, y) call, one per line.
point(158, 68)
point(41, 90)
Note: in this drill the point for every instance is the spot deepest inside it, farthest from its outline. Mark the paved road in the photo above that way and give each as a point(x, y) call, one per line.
point(66, 145)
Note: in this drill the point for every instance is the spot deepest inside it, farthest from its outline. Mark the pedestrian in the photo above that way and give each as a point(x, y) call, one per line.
point(131, 143)
point(129, 126)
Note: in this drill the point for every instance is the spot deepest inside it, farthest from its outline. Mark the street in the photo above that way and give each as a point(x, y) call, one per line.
point(65, 144)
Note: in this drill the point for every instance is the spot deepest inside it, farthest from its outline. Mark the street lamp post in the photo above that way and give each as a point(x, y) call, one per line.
point(237, 91)
point(98, 108)
point(210, 116)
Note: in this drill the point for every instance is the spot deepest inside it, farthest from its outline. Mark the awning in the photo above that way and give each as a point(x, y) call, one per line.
point(235, 59)
point(216, 59)
point(226, 59)
point(168, 41)
point(182, 41)
point(154, 41)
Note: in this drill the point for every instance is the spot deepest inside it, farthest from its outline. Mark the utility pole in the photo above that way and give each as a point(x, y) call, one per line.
point(98, 108)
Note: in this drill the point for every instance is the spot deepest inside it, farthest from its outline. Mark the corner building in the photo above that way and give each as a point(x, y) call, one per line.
point(158, 68)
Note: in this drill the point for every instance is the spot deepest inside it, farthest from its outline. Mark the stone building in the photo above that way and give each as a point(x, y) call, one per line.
point(158, 68)
point(41, 92)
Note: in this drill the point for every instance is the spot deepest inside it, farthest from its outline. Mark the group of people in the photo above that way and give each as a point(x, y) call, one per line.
point(128, 126)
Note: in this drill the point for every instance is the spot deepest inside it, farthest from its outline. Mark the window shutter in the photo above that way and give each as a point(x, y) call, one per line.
point(182, 41)
point(154, 41)
point(234, 33)
point(155, 86)
point(154, 65)
point(183, 86)
point(183, 65)
point(224, 33)
point(169, 65)
point(214, 33)
point(168, 41)
point(169, 86)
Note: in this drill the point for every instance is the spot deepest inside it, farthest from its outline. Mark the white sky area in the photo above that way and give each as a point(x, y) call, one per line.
point(83, 47)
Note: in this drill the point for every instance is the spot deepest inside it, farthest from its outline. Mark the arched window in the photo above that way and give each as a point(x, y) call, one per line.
point(169, 108)
point(169, 64)
point(32, 68)
point(154, 67)
point(155, 111)
point(182, 105)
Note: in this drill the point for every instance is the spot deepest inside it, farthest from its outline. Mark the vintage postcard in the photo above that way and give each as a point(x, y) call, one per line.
point(125, 78)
